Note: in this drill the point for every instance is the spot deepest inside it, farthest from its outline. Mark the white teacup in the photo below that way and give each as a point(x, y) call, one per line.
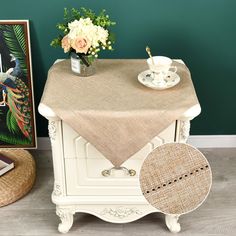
point(160, 68)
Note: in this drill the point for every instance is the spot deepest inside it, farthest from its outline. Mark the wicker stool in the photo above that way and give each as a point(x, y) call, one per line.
point(175, 178)
point(17, 182)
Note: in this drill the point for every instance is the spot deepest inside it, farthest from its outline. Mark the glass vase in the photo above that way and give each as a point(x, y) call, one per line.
point(85, 67)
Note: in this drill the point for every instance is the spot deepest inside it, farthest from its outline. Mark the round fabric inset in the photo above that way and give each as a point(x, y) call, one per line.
point(175, 178)
point(18, 181)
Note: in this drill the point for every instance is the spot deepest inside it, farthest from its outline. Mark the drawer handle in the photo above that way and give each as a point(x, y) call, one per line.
point(130, 172)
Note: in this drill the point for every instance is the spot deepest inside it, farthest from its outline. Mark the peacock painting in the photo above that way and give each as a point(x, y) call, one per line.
point(16, 106)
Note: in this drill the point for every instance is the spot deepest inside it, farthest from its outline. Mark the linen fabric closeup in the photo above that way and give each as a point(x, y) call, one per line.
point(175, 178)
point(111, 109)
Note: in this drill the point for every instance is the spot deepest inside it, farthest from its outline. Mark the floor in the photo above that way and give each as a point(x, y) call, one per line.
point(35, 214)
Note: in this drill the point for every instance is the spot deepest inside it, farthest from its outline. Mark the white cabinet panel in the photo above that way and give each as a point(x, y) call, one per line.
point(84, 166)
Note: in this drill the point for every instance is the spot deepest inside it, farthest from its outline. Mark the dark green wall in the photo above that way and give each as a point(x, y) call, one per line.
point(201, 32)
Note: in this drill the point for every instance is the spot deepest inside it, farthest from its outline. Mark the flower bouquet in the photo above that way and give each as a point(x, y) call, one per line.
point(83, 35)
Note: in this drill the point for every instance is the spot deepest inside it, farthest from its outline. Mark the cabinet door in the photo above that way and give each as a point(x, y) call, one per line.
point(84, 166)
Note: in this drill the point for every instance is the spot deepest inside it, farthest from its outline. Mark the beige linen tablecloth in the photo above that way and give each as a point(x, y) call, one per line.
point(175, 178)
point(111, 109)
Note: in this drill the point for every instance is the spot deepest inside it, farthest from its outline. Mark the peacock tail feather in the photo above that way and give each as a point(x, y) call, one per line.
point(19, 114)
point(12, 123)
point(14, 93)
point(12, 106)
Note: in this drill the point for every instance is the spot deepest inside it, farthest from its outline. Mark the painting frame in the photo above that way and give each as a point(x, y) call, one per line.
point(16, 86)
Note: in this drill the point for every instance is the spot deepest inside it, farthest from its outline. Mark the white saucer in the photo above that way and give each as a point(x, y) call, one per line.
point(146, 78)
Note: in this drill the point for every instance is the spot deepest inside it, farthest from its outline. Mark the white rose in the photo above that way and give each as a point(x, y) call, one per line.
point(73, 24)
point(86, 29)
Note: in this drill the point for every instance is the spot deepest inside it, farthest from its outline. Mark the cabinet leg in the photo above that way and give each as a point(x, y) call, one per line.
point(172, 223)
point(66, 216)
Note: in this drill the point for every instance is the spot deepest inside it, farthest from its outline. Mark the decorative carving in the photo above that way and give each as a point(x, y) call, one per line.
point(184, 131)
point(121, 212)
point(52, 130)
point(172, 223)
point(57, 190)
point(66, 216)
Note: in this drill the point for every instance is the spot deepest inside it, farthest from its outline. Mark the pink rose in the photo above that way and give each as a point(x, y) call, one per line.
point(65, 44)
point(81, 45)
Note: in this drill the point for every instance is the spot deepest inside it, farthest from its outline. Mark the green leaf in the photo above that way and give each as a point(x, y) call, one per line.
point(14, 36)
point(20, 35)
point(75, 14)
point(14, 140)
point(56, 42)
point(88, 13)
point(65, 13)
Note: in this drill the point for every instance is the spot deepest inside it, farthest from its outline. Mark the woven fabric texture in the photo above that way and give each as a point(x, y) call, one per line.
point(18, 181)
point(111, 109)
point(175, 178)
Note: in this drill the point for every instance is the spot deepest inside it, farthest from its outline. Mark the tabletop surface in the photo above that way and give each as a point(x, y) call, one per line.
point(114, 87)
point(112, 103)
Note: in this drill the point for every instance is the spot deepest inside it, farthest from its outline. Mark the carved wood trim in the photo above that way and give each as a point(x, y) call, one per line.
point(52, 130)
point(57, 191)
point(121, 212)
point(66, 217)
point(184, 131)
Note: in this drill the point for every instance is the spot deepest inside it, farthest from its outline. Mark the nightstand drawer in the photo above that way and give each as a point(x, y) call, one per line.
point(85, 166)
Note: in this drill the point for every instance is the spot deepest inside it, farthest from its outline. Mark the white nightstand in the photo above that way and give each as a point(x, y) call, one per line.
point(82, 183)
